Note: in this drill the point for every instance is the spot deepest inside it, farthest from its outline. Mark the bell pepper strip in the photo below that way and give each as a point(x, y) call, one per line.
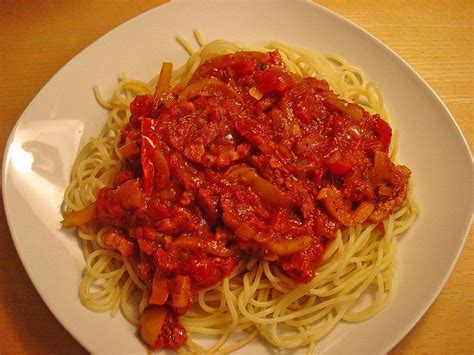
point(148, 145)
point(77, 218)
point(164, 80)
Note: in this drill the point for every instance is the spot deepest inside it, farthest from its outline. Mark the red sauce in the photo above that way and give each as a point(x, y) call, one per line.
point(248, 161)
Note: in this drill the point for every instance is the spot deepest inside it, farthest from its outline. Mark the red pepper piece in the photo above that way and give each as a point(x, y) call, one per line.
point(383, 131)
point(273, 80)
point(147, 153)
point(339, 168)
point(142, 105)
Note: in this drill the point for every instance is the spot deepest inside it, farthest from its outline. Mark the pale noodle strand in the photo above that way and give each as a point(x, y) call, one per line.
point(257, 299)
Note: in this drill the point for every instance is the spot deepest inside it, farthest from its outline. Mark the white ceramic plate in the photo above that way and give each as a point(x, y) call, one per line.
point(64, 114)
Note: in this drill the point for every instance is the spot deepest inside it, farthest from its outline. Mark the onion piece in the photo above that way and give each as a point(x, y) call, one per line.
point(202, 84)
point(160, 291)
point(129, 194)
point(383, 167)
point(182, 291)
point(289, 246)
point(270, 193)
point(262, 187)
point(257, 95)
point(295, 129)
point(385, 191)
point(129, 149)
point(162, 171)
point(114, 239)
point(151, 322)
point(352, 110)
point(245, 232)
point(404, 170)
point(213, 247)
point(333, 202)
point(234, 173)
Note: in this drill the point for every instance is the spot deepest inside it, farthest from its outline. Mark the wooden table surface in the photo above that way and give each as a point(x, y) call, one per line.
point(38, 37)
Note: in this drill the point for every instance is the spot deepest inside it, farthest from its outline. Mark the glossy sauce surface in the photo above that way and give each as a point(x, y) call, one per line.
point(248, 160)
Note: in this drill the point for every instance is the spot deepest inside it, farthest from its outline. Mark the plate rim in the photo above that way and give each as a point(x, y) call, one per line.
point(7, 154)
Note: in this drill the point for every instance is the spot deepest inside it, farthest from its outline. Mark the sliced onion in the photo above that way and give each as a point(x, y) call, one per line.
point(270, 193)
point(129, 194)
point(289, 246)
point(182, 291)
point(129, 149)
point(162, 171)
point(201, 85)
point(235, 173)
point(255, 93)
point(245, 232)
point(213, 247)
point(266, 190)
point(334, 203)
point(159, 292)
point(355, 111)
point(383, 167)
point(151, 322)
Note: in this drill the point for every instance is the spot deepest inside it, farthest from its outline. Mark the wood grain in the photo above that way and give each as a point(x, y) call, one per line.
point(38, 37)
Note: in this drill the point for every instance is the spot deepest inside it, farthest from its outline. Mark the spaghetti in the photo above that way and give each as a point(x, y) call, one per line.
point(258, 297)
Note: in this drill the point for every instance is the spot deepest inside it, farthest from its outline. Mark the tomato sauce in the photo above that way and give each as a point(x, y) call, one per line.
point(247, 161)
